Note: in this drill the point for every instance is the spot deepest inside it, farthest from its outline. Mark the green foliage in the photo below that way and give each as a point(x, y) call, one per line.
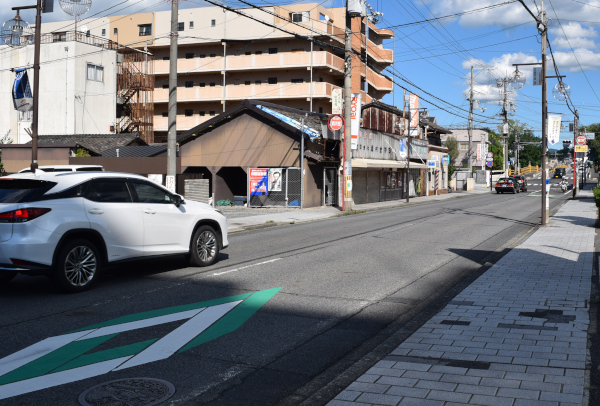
point(495, 148)
point(531, 153)
point(593, 145)
point(452, 145)
point(596, 191)
point(82, 153)
point(451, 170)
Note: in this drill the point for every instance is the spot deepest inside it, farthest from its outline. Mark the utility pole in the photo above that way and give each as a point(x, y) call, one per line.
point(172, 134)
point(545, 201)
point(470, 128)
point(347, 153)
point(504, 126)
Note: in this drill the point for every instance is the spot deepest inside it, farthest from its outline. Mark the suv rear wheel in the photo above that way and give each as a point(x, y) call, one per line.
point(204, 247)
point(77, 265)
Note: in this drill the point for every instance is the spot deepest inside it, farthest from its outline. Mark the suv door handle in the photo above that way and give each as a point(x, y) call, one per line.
point(149, 211)
point(96, 211)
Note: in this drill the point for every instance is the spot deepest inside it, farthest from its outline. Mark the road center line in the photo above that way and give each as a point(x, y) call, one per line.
point(245, 267)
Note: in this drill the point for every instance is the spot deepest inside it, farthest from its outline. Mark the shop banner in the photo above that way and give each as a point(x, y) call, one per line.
point(403, 149)
point(336, 101)
point(355, 109)
point(479, 152)
point(413, 103)
point(22, 96)
point(275, 177)
point(258, 181)
point(553, 128)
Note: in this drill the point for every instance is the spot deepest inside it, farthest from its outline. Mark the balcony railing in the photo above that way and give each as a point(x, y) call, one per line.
point(282, 60)
point(241, 92)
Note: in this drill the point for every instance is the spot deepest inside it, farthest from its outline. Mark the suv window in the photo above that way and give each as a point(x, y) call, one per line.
point(108, 191)
point(23, 190)
point(148, 193)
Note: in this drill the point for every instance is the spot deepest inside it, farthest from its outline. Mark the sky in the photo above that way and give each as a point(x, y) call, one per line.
point(438, 41)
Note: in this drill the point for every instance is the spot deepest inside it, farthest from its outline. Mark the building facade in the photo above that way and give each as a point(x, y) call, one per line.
point(478, 147)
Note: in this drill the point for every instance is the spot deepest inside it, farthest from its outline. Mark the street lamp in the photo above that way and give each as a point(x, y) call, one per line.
point(561, 92)
point(16, 32)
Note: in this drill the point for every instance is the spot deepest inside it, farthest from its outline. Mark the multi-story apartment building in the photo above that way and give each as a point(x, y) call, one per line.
point(225, 57)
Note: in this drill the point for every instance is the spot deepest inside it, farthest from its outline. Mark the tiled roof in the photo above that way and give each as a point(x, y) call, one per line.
point(95, 143)
point(141, 151)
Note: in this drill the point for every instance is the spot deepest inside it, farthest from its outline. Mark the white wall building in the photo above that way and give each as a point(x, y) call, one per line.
point(78, 88)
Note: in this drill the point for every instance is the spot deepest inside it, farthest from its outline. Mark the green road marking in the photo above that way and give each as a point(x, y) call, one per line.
point(106, 355)
point(163, 312)
point(234, 319)
point(55, 359)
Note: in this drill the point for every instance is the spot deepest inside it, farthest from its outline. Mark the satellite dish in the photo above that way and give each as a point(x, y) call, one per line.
point(83, 28)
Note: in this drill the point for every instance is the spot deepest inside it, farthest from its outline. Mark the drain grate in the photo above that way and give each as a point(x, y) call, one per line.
point(457, 363)
point(128, 392)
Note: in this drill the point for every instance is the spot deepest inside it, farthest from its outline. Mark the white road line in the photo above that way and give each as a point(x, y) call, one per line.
point(246, 267)
point(35, 351)
point(176, 339)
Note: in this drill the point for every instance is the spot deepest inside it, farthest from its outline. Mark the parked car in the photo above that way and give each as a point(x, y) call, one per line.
point(66, 168)
point(70, 225)
point(521, 182)
point(506, 185)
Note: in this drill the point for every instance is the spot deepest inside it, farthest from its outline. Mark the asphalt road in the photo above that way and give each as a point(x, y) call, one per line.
point(313, 305)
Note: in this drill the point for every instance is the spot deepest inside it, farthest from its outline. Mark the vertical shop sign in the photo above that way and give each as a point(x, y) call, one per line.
point(355, 114)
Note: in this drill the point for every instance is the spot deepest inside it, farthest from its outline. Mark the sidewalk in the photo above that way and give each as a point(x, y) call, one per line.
point(238, 224)
point(516, 336)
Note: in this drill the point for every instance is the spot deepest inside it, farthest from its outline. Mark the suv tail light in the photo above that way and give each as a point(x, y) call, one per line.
point(22, 215)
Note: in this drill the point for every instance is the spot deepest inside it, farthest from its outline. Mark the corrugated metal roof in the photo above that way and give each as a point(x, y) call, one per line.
point(95, 143)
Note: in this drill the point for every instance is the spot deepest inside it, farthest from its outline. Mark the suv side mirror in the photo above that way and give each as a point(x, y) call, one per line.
point(178, 200)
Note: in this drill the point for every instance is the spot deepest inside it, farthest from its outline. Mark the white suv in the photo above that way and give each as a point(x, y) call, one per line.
point(70, 225)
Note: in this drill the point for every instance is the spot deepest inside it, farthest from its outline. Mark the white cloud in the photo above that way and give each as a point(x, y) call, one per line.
point(588, 59)
point(577, 36)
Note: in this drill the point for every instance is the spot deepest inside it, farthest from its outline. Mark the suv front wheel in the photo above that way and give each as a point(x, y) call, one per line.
point(77, 265)
point(204, 247)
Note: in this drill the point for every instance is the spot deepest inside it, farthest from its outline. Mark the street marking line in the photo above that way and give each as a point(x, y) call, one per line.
point(246, 267)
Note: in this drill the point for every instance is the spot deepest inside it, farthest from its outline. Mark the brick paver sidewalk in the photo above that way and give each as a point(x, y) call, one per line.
point(515, 336)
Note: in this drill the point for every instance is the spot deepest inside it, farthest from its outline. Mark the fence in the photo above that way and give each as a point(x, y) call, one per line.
point(266, 189)
point(526, 170)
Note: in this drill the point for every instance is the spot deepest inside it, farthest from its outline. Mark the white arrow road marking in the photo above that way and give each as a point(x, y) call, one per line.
point(245, 267)
point(37, 350)
point(176, 339)
point(59, 378)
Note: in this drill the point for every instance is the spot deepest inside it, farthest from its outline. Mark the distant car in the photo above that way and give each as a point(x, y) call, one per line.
point(521, 182)
point(70, 225)
point(506, 185)
point(66, 168)
point(559, 173)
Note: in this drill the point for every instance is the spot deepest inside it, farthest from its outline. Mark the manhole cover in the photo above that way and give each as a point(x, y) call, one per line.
point(128, 392)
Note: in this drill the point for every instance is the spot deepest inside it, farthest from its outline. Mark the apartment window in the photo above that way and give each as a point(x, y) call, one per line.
point(189, 83)
point(258, 52)
point(301, 17)
point(115, 31)
point(165, 114)
point(272, 50)
point(320, 109)
point(191, 25)
point(248, 53)
point(272, 81)
point(247, 83)
point(95, 73)
point(202, 56)
point(189, 113)
point(463, 147)
point(212, 84)
point(165, 58)
point(212, 113)
point(180, 26)
point(104, 32)
point(258, 82)
point(213, 23)
point(202, 84)
point(297, 80)
point(189, 55)
point(213, 55)
point(202, 113)
point(145, 29)
point(166, 86)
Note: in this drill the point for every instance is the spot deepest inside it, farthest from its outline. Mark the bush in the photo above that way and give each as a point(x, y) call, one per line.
point(596, 191)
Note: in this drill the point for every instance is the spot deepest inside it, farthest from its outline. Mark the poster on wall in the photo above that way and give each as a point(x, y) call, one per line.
point(258, 181)
point(22, 95)
point(355, 114)
point(553, 128)
point(275, 175)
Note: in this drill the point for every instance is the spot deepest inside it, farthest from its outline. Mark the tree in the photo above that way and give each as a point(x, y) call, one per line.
point(5, 139)
point(495, 148)
point(593, 145)
point(452, 145)
point(531, 153)
point(82, 153)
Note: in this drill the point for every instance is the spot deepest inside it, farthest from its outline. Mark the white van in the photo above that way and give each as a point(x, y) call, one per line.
point(66, 168)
